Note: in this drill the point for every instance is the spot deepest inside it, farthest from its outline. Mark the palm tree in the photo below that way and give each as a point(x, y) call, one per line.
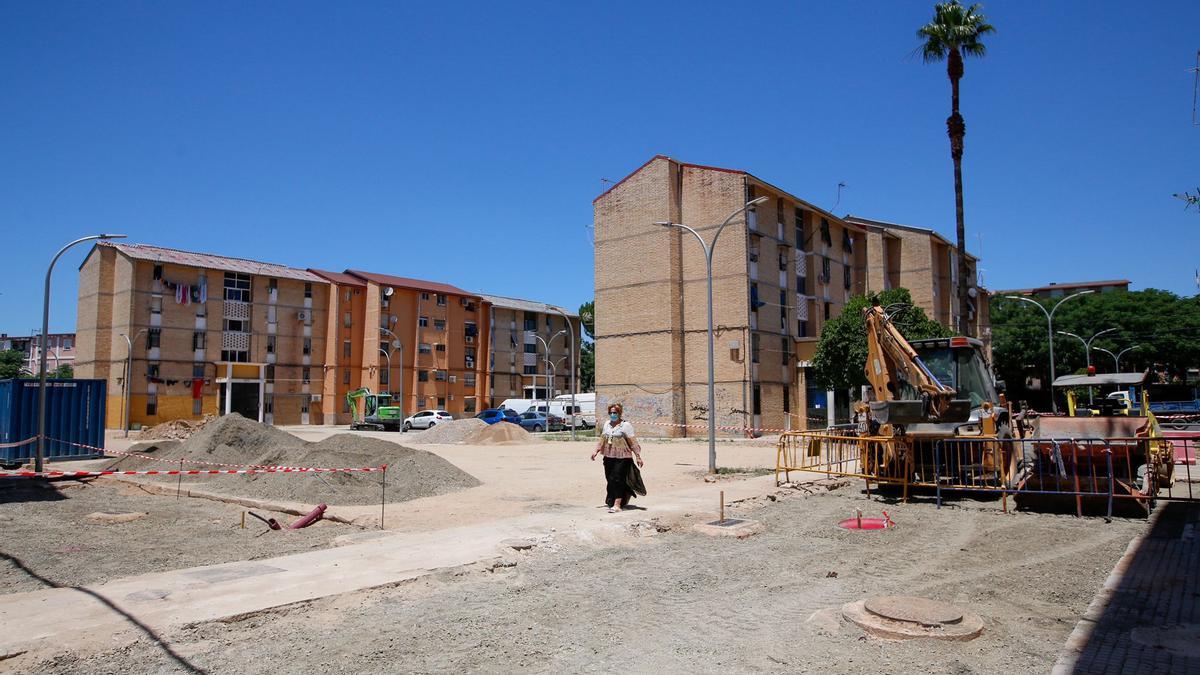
point(954, 32)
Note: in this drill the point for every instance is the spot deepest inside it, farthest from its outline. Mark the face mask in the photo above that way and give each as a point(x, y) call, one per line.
point(614, 416)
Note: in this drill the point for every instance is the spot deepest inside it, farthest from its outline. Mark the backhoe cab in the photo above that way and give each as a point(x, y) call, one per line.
point(377, 414)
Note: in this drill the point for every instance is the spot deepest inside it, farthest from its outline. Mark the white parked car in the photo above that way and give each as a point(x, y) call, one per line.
point(426, 419)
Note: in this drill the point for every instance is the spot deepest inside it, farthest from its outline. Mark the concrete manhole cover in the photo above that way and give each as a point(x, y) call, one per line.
point(913, 610)
point(1181, 640)
point(906, 618)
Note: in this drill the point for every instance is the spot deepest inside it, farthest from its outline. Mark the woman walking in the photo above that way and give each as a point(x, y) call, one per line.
point(620, 447)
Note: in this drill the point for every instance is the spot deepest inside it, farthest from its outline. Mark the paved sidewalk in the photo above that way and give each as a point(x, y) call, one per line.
point(1146, 619)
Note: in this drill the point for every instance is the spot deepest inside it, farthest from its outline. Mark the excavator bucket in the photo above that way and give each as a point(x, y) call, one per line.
point(915, 412)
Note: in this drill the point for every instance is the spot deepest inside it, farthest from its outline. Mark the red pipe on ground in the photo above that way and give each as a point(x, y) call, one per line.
point(312, 517)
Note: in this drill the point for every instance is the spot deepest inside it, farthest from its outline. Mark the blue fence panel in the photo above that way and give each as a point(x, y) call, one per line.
point(74, 418)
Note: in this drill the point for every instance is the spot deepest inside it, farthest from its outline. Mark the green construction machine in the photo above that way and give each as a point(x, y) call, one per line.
point(377, 414)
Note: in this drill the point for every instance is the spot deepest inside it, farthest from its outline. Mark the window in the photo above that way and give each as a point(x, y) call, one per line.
point(424, 296)
point(440, 347)
point(347, 350)
point(801, 328)
point(307, 346)
point(423, 322)
point(348, 295)
point(158, 272)
point(441, 402)
point(153, 338)
point(235, 356)
point(425, 348)
point(68, 343)
point(825, 274)
point(346, 376)
point(152, 405)
point(441, 300)
point(470, 330)
point(308, 289)
point(268, 404)
point(549, 324)
point(270, 344)
point(235, 325)
point(237, 287)
point(799, 225)
point(530, 321)
point(755, 303)
point(197, 406)
point(469, 380)
point(787, 399)
point(531, 370)
point(421, 399)
point(269, 373)
point(757, 400)
point(272, 285)
point(156, 304)
point(825, 236)
point(847, 242)
point(198, 370)
point(786, 345)
point(384, 377)
point(846, 281)
point(827, 311)
point(755, 348)
point(198, 339)
point(779, 210)
point(346, 319)
point(439, 375)
point(782, 259)
point(469, 354)
point(469, 405)
point(153, 371)
point(783, 310)
point(439, 324)
point(422, 376)
point(306, 375)
point(531, 348)
point(304, 405)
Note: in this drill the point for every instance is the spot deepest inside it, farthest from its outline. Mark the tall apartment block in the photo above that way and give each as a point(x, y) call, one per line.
point(926, 263)
point(211, 334)
point(779, 273)
point(207, 334)
point(517, 363)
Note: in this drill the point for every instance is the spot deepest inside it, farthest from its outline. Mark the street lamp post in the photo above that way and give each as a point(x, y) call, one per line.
point(41, 440)
point(708, 259)
point(574, 387)
point(1049, 333)
point(400, 346)
point(1117, 356)
point(125, 382)
point(1087, 349)
point(549, 382)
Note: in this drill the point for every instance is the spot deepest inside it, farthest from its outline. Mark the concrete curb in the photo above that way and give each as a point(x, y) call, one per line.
point(1079, 637)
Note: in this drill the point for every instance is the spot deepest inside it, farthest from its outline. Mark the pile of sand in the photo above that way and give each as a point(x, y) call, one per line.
point(234, 439)
point(175, 429)
point(454, 431)
point(500, 433)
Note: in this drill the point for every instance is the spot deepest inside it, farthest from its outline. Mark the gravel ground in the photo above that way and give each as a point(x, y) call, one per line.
point(680, 602)
point(44, 527)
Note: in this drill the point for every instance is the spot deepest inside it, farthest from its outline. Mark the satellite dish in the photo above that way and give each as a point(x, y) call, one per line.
point(393, 319)
point(387, 291)
point(972, 292)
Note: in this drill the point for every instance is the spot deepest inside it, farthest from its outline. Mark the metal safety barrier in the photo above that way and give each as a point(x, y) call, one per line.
point(1088, 472)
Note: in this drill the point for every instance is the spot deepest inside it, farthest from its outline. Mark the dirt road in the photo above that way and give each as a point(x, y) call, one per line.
point(680, 602)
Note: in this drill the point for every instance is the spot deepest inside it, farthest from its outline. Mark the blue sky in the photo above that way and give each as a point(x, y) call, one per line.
point(464, 142)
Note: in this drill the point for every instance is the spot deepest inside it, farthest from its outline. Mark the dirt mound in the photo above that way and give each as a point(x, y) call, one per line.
point(454, 431)
point(175, 429)
point(500, 433)
point(233, 439)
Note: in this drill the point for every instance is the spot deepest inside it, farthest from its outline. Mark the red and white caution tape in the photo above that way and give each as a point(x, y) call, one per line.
point(168, 460)
point(184, 472)
point(705, 426)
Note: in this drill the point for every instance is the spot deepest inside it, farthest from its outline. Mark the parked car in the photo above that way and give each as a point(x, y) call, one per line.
point(426, 419)
point(536, 421)
point(493, 415)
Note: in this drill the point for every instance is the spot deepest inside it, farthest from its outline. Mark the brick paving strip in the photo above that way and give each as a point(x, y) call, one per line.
point(1146, 617)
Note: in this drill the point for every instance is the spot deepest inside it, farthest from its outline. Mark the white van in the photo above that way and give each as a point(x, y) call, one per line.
point(520, 405)
point(585, 409)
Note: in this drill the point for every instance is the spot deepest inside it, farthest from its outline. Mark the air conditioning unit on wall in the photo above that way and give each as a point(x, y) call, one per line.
point(302, 315)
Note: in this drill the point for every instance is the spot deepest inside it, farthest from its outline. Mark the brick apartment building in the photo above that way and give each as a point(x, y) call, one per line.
point(60, 350)
point(516, 366)
point(1062, 289)
point(926, 263)
point(213, 334)
point(779, 274)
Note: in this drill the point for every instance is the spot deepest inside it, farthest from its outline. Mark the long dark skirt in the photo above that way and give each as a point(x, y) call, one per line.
point(624, 480)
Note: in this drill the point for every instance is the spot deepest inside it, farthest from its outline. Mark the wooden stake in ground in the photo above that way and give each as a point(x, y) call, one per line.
point(722, 506)
point(179, 483)
point(382, 497)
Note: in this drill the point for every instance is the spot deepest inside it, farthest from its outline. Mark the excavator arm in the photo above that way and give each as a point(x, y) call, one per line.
point(352, 401)
point(905, 390)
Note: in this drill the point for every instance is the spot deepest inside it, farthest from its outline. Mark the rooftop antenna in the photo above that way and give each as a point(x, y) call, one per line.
point(979, 272)
point(841, 184)
point(1195, 88)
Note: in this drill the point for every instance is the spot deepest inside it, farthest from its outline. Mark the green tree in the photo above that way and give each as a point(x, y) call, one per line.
point(64, 372)
point(842, 350)
point(587, 352)
point(1165, 327)
point(955, 32)
point(12, 364)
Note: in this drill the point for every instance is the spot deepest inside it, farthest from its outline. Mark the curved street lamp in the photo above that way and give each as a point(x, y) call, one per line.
point(1087, 350)
point(708, 259)
point(1117, 356)
point(400, 346)
point(574, 386)
point(1049, 332)
point(128, 374)
point(41, 440)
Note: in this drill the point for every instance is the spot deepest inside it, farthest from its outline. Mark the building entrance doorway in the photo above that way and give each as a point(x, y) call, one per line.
point(244, 399)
